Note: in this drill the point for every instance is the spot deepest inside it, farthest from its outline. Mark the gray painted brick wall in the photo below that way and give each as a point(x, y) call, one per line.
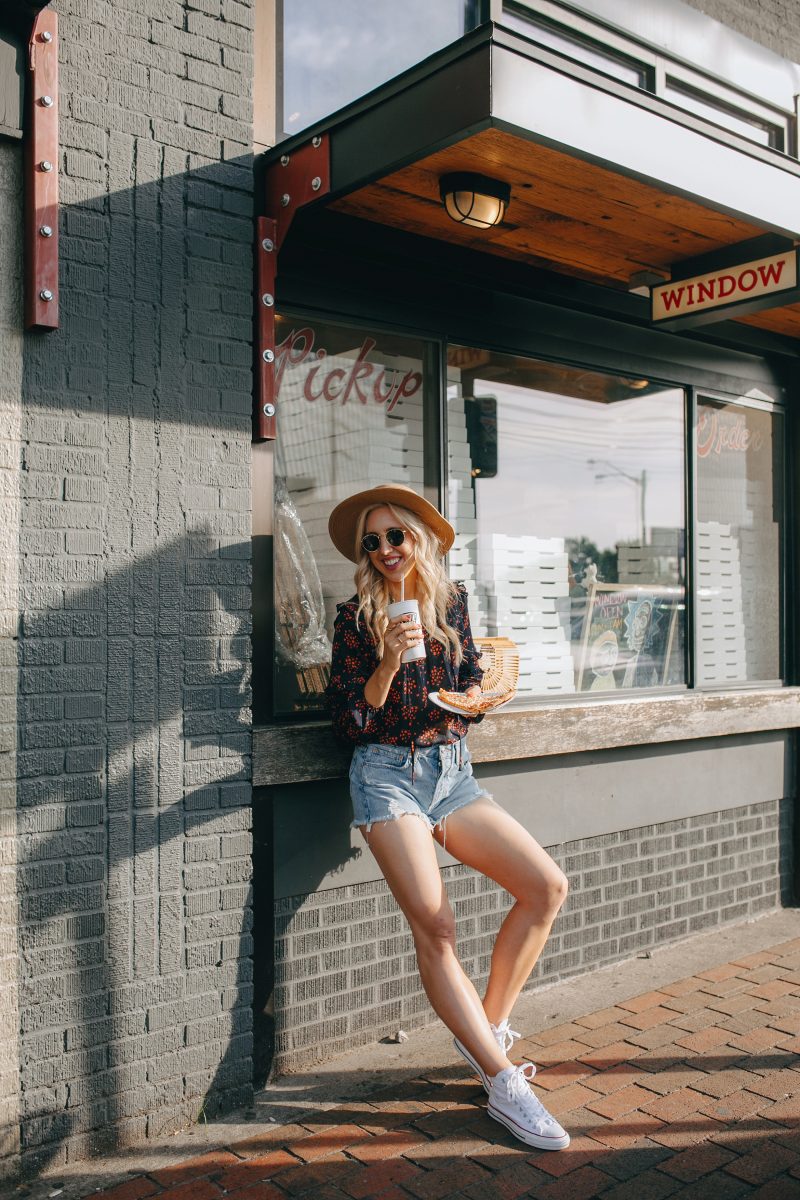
point(773, 23)
point(10, 483)
point(345, 966)
point(133, 750)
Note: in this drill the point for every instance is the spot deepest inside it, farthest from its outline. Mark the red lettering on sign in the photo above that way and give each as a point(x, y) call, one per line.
point(717, 432)
point(408, 386)
point(673, 299)
point(330, 388)
point(294, 350)
point(706, 433)
point(734, 285)
point(362, 380)
point(772, 272)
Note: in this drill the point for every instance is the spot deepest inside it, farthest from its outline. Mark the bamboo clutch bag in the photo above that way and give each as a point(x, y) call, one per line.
point(500, 663)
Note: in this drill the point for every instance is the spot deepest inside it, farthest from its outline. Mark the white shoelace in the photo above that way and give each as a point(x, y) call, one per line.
point(509, 1036)
point(520, 1092)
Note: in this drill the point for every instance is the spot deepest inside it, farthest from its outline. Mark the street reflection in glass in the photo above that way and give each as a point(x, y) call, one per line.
point(566, 488)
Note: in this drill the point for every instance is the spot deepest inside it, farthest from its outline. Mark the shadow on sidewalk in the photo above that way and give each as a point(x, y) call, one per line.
point(430, 1134)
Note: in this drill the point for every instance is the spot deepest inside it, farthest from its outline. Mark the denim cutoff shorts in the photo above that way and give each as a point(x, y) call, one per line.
point(387, 782)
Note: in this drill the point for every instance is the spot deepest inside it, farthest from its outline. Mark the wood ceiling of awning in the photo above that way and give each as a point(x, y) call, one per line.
point(566, 215)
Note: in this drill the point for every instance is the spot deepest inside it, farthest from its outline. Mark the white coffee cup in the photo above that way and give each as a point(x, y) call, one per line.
point(399, 609)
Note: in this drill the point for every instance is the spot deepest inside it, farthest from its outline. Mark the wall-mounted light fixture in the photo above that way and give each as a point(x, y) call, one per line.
point(474, 199)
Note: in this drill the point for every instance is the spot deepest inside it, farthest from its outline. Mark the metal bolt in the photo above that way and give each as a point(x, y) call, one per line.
point(268, 356)
point(46, 101)
point(285, 198)
point(44, 165)
point(45, 36)
point(268, 300)
point(45, 231)
point(268, 410)
point(268, 245)
point(316, 142)
point(284, 160)
point(45, 294)
point(316, 183)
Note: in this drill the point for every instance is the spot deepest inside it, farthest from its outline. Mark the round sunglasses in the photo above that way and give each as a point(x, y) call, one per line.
point(372, 541)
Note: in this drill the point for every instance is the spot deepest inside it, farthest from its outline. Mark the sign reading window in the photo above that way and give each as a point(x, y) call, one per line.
point(730, 291)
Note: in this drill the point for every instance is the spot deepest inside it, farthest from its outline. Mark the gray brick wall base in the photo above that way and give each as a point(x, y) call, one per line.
point(345, 966)
point(773, 23)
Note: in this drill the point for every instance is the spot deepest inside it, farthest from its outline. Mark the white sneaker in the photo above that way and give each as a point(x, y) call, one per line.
point(505, 1037)
point(514, 1104)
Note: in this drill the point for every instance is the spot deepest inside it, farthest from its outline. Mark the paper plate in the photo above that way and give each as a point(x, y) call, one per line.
point(434, 699)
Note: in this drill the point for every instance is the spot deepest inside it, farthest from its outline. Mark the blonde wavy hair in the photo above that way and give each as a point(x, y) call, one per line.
point(435, 591)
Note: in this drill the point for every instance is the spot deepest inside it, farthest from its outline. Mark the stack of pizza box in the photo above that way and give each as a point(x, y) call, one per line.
point(526, 600)
point(722, 652)
point(738, 560)
point(760, 549)
point(655, 561)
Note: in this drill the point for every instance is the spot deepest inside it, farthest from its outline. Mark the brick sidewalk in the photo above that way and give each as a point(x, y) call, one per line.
point(691, 1091)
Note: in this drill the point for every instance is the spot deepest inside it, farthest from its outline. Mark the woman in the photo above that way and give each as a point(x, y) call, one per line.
point(410, 760)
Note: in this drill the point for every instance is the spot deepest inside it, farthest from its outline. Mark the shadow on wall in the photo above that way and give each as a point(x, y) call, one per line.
point(134, 905)
point(133, 697)
point(135, 908)
point(134, 795)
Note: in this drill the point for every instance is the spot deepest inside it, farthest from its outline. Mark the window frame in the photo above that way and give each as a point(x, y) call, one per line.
point(658, 69)
point(698, 394)
point(436, 418)
point(673, 689)
point(432, 462)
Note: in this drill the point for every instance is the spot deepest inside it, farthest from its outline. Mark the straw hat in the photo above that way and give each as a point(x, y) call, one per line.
point(344, 518)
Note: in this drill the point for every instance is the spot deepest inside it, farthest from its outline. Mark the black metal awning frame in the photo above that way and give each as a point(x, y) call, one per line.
point(493, 78)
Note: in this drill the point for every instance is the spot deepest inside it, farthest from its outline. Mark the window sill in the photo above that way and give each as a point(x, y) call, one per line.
point(300, 753)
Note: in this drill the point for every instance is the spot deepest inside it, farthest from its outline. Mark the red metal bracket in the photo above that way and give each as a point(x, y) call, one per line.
point(266, 271)
point(292, 181)
point(41, 175)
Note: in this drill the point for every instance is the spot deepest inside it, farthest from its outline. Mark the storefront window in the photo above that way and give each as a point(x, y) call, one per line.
point(334, 53)
point(566, 488)
point(352, 413)
point(739, 536)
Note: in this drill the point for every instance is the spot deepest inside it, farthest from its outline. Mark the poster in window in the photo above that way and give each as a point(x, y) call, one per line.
point(632, 637)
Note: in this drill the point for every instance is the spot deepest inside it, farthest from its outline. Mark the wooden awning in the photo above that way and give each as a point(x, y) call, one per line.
point(606, 181)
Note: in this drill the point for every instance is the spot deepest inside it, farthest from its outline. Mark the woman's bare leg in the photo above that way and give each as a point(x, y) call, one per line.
point(485, 837)
point(406, 855)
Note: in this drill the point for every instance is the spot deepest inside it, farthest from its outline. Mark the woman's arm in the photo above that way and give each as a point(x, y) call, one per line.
point(469, 673)
point(358, 689)
point(377, 687)
point(400, 635)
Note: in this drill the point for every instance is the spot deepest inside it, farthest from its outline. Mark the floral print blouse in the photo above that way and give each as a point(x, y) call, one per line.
point(407, 716)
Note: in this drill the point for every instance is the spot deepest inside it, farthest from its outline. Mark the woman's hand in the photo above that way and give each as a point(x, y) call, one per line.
point(473, 692)
point(401, 634)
